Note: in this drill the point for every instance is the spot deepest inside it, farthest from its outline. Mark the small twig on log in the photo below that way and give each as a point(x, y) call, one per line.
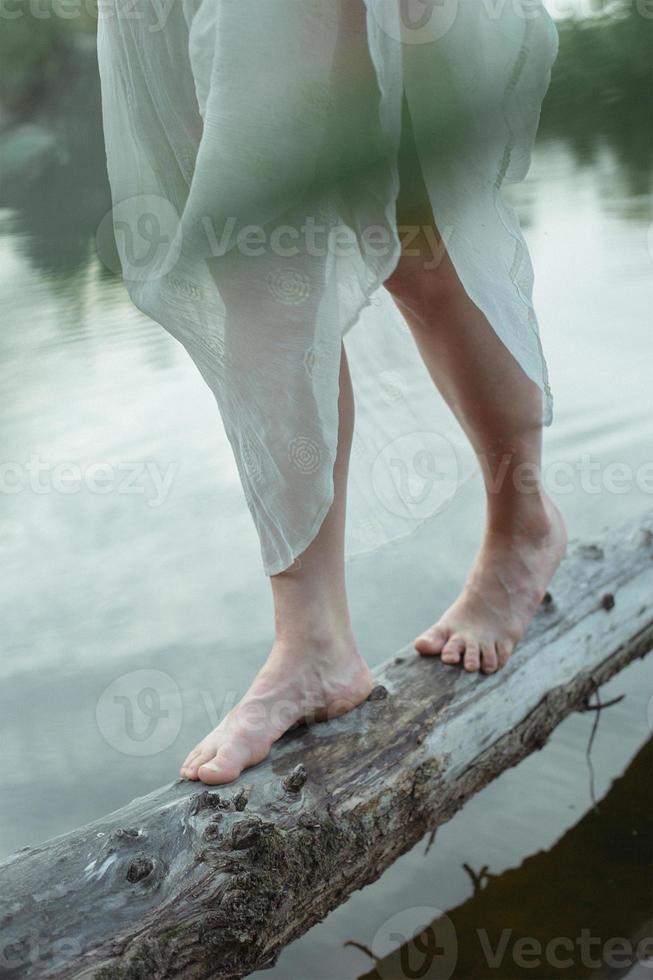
point(601, 705)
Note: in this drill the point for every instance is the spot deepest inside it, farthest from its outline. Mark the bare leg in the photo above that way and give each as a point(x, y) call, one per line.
point(500, 410)
point(314, 670)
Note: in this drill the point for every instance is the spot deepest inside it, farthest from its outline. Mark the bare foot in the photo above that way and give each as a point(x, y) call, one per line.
point(506, 585)
point(299, 682)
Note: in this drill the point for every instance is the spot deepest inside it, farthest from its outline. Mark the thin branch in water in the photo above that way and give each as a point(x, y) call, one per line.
point(431, 841)
point(598, 708)
point(479, 879)
point(363, 949)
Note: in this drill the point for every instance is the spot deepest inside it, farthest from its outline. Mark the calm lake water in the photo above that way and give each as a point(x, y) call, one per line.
point(155, 566)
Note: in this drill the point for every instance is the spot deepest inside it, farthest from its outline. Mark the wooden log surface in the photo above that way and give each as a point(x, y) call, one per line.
point(194, 882)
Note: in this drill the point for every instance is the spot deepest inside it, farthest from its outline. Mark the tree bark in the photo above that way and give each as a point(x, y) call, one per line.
point(194, 882)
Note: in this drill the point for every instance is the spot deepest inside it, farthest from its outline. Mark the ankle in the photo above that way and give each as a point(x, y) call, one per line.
point(528, 515)
point(323, 638)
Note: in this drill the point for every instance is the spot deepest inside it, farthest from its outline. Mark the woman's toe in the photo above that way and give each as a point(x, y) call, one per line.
point(188, 762)
point(215, 773)
point(489, 658)
point(453, 649)
point(432, 640)
point(191, 755)
point(504, 649)
point(223, 767)
point(203, 756)
point(472, 660)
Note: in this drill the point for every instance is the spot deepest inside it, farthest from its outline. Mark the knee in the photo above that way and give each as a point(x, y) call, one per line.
point(420, 285)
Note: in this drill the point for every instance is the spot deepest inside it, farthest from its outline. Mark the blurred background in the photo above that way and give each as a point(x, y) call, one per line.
point(130, 563)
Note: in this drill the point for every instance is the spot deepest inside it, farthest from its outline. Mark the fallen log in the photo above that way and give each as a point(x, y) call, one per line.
point(194, 882)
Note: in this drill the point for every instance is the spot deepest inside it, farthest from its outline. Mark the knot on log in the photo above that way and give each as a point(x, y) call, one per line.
point(607, 601)
point(205, 801)
point(124, 835)
point(240, 800)
point(296, 779)
point(208, 800)
point(309, 822)
point(234, 898)
point(140, 868)
point(241, 881)
point(212, 831)
point(593, 552)
point(378, 693)
point(248, 832)
point(425, 776)
point(645, 538)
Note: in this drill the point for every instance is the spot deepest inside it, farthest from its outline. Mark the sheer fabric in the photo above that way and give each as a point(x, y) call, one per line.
point(252, 153)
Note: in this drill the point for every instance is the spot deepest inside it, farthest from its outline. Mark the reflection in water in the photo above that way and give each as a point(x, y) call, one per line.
point(580, 909)
point(597, 99)
point(597, 96)
point(51, 147)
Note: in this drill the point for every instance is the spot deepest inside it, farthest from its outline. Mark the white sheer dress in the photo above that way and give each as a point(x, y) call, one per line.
point(252, 153)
